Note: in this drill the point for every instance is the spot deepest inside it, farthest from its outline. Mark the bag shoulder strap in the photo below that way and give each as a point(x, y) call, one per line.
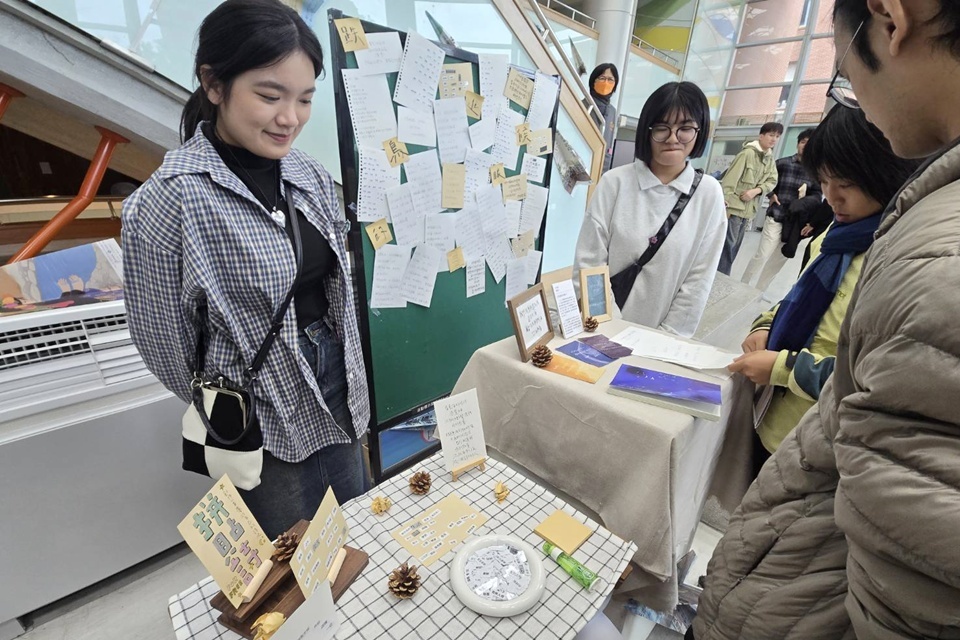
point(657, 241)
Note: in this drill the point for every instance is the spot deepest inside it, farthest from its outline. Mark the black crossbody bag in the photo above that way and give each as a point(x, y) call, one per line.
point(622, 283)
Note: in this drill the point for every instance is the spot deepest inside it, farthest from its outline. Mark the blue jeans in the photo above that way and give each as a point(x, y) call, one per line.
point(292, 491)
point(736, 228)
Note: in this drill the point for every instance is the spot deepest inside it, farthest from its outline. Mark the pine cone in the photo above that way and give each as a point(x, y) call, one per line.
point(404, 581)
point(501, 492)
point(541, 356)
point(591, 324)
point(420, 482)
point(380, 505)
point(285, 545)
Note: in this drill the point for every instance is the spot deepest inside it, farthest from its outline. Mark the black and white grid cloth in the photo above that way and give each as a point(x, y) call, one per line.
point(369, 610)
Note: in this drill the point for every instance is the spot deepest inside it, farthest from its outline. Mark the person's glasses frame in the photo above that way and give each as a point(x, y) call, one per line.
point(686, 133)
point(606, 80)
point(844, 95)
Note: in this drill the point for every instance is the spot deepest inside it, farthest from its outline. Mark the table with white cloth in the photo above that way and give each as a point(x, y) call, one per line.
point(643, 470)
point(369, 610)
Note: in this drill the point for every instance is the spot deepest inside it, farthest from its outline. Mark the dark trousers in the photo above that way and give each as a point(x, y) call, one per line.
point(736, 228)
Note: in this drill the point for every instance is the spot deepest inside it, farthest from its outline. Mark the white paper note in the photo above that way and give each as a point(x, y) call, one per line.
point(440, 233)
point(571, 322)
point(505, 147)
point(513, 210)
point(497, 253)
point(516, 277)
point(407, 217)
point(535, 167)
point(533, 266)
point(647, 343)
point(494, 68)
point(388, 268)
point(476, 277)
point(423, 172)
point(469, 232)
point(383, 55)
point(376, 178)
point(371, 110)
point(546, 89)
point(316, 618)
point(460, 429)
point(416, 127)
point(478, 172)
point(492, 212)
point(419, 73)
point(421, 276)
point(534, 207)
point(453, 133)
point(483, 134)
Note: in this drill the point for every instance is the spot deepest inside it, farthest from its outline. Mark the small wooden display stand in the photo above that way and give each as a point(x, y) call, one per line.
point(479, 462)
point(280, 591)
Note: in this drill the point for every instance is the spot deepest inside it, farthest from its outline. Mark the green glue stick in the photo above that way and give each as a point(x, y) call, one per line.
point(584, 577)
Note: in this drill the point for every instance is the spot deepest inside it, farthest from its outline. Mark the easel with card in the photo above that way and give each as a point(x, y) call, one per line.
point(412, 319)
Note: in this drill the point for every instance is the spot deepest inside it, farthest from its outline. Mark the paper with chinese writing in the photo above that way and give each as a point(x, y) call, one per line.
point(316, 619)
point(515, 188)
point(453, 132)
point(383, 54)
point(535, 167)
point(546, 89)
point(524, 243)
point(388, 269)
point(396, 152)
point(532, 265)
point(483, 134)
point(516, 278)
point(478, 172)
point(439, 529)
point(351, 34)
point(476, 277)
point(534, 208)
point(439, 232)
point(226, 538)
point(371, 110)
point(513, 209)
point(454, 183)
point(419, 73)
point(322, 541)
point(416, 127)
point(519, 88)
point(376, 177)
point(493, 79)
point(421, 275)
point(455, 260)
point(407, 218)
point(571, 322)
point(379, 233)
point(532, 321)
point(426, 182)
point(469, 232)
point(505, 147)
point(474, 104)
point(660, 346)
point(541, 142)
point(497, 252)
point(460, 429)
point(456, 79)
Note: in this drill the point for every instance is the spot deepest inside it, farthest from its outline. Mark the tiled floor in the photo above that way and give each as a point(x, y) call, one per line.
point(133, 605)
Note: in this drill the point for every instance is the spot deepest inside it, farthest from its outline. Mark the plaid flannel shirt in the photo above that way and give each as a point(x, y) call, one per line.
point(194, 234)
point(791, 176)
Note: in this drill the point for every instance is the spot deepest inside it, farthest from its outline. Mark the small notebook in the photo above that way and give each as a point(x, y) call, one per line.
point(694, 397)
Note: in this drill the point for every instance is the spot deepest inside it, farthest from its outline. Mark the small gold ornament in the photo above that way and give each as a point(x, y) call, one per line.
point(501, 492)
point(420, 482)
point(591, 324)
point(404, 581)
point(380, 505)
point(284, 547)
point(267, 625)
point(541, 356)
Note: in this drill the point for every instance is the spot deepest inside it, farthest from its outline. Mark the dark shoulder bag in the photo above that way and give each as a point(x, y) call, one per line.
point(221, 433)
point(622, 283)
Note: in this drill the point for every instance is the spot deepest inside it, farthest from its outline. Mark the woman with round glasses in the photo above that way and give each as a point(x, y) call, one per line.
point(659, 206)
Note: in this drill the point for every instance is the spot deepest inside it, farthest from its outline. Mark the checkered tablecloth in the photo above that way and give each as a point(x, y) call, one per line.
point(369, 610)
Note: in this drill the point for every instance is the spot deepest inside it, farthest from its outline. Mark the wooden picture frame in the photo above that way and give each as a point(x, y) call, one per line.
point(589, 289)
point(530, 316)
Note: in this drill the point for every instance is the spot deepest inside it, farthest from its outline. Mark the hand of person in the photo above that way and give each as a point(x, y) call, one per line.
point(774, 199)
point(758, 365)
point(756, 341)
point(806, 231)
point(750, 194)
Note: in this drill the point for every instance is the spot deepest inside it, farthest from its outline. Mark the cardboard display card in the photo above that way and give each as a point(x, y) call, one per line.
point(320, 545)
point(460, 429)
point(439, 530)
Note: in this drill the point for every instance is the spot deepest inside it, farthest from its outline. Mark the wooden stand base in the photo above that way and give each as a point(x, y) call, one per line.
point(459, 471)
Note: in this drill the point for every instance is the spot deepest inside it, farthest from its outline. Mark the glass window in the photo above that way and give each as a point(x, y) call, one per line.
point(773, 19)
point(753, 107)
point(824, 18)
point(765, 63)
point(811, 103)
point(820, 60)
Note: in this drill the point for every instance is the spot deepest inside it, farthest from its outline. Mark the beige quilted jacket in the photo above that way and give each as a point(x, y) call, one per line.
point(852, 529)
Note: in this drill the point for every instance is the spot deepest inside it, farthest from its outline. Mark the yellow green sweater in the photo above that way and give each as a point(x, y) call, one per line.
point(800, 376)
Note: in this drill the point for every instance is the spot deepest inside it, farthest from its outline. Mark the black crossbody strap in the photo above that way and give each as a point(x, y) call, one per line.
point(622, 283)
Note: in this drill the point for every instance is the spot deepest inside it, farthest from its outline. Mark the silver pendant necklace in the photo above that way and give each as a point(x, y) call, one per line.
point(278, 216)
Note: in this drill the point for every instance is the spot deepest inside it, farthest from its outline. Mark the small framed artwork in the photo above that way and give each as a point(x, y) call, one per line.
point(531, 320)
point(595, 293)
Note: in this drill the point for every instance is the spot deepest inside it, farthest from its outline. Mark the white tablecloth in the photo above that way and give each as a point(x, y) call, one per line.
point(369, 610)
point(644, 470)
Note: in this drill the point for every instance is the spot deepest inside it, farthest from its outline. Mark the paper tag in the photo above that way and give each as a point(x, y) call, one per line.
point(515, 187)
point(379, 233)
point(541, 142)
point(455, 259)
point(397, 152)
point(474, 104)
point(351, 34)
point(519, 88)
point(497, 174)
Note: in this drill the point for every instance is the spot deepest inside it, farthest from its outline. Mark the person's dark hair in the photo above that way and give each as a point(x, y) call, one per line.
point(851, 13)
point(805, 134)
point(848, 147)
point(772, 127)
point(599, 70)
point(681, 97)
point(240, 35)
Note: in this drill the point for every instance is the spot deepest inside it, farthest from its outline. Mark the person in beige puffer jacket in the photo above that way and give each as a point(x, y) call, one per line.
point(852, 529)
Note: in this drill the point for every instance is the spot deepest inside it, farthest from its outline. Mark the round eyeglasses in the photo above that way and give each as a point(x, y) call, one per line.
point(840, 88)
point(685, 133)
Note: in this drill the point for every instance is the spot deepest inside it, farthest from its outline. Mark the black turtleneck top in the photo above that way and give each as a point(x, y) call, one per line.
point(261, 176)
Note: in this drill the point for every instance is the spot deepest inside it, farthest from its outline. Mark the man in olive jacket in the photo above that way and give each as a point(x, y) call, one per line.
point(752, 175)
point(852, 529)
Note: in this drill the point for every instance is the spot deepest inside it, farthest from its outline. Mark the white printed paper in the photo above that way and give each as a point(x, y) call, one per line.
point(647, 343)
point(419, 73)
point(493, 215)
point(534, 207)
point(516, 277)
point(371, 110)
point(476, 277)
point(533, 265)
point(376, 178)
point(497, 252)
point(416, 127)
point(388, 267)
point(513, 209)
point(478, 172)
point(571, 322)
point(440, 233)
point(317, 617)
point(494, 68)
point(532, 319)
point(469, 233)
point(421, 276)
point(505, 147)
point(406, 216)
point(534, 166)
point(546, 89)
point(423, 172)
point(382, 56)
point(483, 134)
point(460, 429)
point(453, 133)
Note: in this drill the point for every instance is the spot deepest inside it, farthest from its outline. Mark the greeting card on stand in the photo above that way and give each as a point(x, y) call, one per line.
point(320, 545)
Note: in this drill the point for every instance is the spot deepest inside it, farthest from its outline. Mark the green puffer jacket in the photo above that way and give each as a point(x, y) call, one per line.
point(852, 528)
point(752, 168)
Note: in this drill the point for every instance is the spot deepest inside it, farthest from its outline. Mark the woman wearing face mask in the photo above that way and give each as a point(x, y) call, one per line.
point(209, 254)
point(632, 202)
point(603, 82)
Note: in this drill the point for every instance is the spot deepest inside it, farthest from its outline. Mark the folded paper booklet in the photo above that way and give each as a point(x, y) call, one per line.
point(694, 397)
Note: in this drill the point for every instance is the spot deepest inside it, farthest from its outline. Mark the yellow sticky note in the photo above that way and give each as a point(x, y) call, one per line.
point(454, 182)
point(456, 79)
point(497, 174)
point(541, 142)
point(562, 530)
point(397, 152)
point(474, 104)
point(515, 188)
point(523, 134)
point(455, 259)
point(379, 233)
point(522, 245)
point(352, 36)
point(519, 88)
